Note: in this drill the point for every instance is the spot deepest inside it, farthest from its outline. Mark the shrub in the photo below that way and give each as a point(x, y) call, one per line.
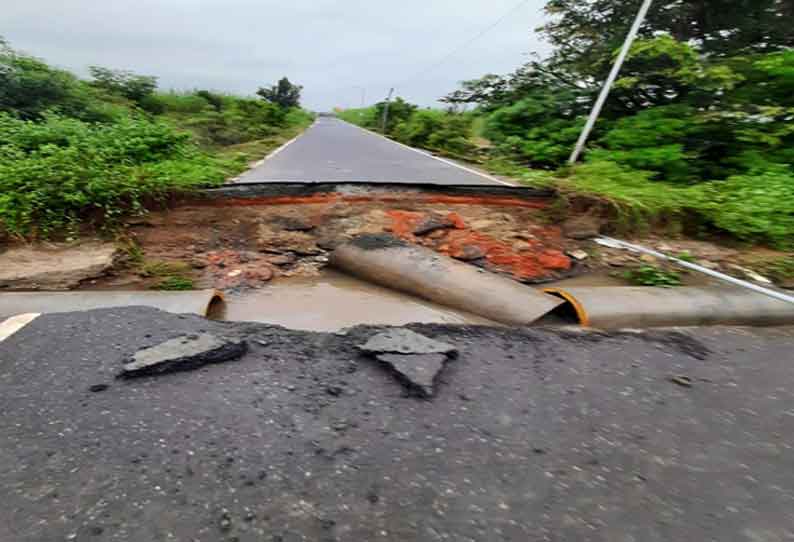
point(756, 207)
point(650, 275)
point(58, 171)
point(437, 130)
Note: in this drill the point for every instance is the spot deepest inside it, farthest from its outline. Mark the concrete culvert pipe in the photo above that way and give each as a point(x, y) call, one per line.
point(390, 262)
point(201, 302)
point(639, 307)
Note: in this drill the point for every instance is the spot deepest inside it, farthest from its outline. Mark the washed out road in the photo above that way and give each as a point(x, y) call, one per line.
point(332, 150)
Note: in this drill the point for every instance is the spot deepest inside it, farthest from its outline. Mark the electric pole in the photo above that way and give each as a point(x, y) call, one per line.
point(385, 117)
point(602, 98)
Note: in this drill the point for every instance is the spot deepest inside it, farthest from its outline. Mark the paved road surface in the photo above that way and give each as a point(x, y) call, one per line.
point(533, 435)
point(333, 150)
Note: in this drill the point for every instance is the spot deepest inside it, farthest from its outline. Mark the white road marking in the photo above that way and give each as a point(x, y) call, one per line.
point(429, 155)
point(272, 154)
point(15, 323)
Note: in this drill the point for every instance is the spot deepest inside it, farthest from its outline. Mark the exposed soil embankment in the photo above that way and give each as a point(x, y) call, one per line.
point(232, 241)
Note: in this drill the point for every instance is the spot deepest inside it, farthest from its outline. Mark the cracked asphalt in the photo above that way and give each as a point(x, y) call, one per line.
point(533, 435)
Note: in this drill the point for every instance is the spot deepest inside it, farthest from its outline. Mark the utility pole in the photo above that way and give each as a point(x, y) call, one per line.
point(363, 95)
point(613, 75)
point(385, 117)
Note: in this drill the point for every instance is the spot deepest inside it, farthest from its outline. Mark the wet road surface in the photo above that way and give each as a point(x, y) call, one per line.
point(332, 150)
point(533, 435)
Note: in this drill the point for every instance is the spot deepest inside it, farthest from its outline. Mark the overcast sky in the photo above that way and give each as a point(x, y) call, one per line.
point(329, 46)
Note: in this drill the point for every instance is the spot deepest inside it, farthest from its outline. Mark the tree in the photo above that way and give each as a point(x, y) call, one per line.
point(124, 83)
point(399, 111)
point(585, 33)
point(283, 93)
point(29, 87)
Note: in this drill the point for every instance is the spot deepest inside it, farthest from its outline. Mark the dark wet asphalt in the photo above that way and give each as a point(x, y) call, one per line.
point(332, 150)
point(533, 435)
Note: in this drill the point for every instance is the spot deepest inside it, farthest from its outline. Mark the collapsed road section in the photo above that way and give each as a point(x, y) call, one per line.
point(472, 252)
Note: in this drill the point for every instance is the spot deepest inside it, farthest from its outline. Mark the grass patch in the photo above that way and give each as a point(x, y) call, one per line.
point(170, 275)
point(650, 275)
point(175, 283)
point(779, 270)
point(159, 268)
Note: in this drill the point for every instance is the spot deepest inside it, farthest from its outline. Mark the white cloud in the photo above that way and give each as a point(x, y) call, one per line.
point(329, 46)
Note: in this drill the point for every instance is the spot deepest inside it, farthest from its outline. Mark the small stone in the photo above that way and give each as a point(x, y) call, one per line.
point(235, 273)
point(96, 388)
point(182, 354)
point(225, 521)
point(418, 371)
point(578, 255)
point(681, 380)
point(329, 243)
point(282, 259)
point(334, 391)
point(582, 227)
point(405, 341)
point(433, 223)
point(295, 224)
point(197, 263)
point(247, 256)
point(647, 258)
point(469, 253)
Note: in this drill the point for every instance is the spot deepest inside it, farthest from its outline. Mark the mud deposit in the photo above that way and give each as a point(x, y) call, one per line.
point(245, 243)
point(332, 301)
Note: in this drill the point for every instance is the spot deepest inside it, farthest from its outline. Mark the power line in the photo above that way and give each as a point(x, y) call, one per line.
point(483, 32)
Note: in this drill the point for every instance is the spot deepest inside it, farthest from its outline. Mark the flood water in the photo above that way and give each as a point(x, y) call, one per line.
point(334, 301)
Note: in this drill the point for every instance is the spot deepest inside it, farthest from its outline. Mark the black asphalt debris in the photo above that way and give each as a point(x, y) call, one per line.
point(404, 341)
point(377, 241)
point(534, 435)
point(418, 371)
point(416, 360)
point(183, 353)
point(433, 223)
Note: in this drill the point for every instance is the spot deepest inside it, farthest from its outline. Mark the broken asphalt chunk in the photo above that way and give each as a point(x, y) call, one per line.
point(433, 223)
point(418, 371)
point(183, 354)
point(405, 341)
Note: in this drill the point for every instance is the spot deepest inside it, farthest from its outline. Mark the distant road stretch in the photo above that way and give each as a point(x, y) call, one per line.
point(332, 150)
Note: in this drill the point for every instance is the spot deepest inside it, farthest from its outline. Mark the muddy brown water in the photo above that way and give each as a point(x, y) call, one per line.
point(334, 301)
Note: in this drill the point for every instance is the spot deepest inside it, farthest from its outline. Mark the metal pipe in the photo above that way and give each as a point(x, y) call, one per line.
point(617, 243)
point(613, 75)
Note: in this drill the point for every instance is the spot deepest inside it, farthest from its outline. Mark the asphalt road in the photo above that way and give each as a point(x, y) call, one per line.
point(533, 435)
point(332, 150)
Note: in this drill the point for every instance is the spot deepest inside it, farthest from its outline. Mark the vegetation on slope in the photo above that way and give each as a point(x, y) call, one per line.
point(74, 152)
point(700, 123)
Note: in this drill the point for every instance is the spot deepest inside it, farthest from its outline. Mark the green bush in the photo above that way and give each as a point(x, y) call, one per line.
point(365, 117)
point(637, 198)
point(756, 207)
point(437, 130)
point(650, 275)
point(57, 172)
